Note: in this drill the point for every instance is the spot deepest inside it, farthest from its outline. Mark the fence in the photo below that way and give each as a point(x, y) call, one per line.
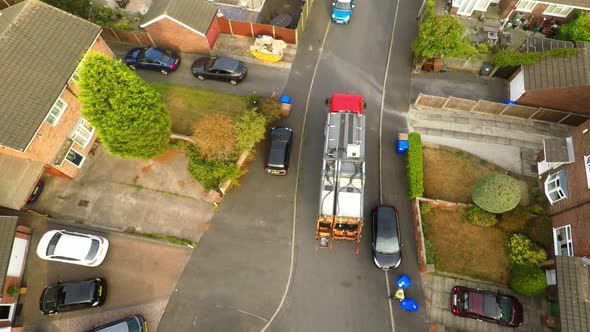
point(251, 29)
point(493, 108)
point(130, 37)
point(6, 3)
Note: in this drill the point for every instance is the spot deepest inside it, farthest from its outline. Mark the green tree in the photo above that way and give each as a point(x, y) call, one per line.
point(250, 129)
point(442, 36)
point(577, 29)
point(527, 280)
point(128, 114)
point(496, 193)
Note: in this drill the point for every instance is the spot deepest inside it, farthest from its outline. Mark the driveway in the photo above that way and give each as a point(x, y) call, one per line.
point(156, 196)
point(141, 274)
point(459, 84)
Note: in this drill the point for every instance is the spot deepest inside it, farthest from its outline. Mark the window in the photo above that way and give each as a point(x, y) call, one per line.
point(76, 74)
point(556, 187)
point(6, 312)
point(525, 6)
point(562, 237)
point(56, 111)
point(587, 165)
point(74, 157)
point(556, 10)
point(82, 133)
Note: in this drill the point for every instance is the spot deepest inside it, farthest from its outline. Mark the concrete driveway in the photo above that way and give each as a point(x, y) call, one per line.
point(141, 274)
point(156, 196)
point(459, 84)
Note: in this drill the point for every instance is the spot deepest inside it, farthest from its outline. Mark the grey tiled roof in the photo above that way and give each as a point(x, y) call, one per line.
point(555, 150)
point(559, 72)
point(572, 286)
point(197, 14)
point(7, 231)
point(41, 47)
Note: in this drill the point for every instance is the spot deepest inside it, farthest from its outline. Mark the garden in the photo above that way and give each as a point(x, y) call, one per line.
point(500, 233)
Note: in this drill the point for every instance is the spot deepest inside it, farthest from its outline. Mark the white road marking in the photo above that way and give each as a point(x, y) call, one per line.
point(315, 70)
point(251, 314)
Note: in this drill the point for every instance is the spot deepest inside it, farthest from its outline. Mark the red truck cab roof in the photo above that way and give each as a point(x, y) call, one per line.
point(344, 102)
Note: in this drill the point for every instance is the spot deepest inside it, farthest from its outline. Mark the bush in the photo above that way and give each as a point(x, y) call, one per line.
point(523, 251)
point(506, 57)
point(13, 290)
point(415, 166)
point(425, 209)
point(442, 36)
point(527, 280)
point(252, 99)
point(537, 210)
point(577, 29)
point(496, 193)
point(480, 217)
point(271, 109)
point(211, 173)
point(215, 137)
point(249, 130)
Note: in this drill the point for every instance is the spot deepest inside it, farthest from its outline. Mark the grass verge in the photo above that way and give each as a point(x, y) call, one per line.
point(169, 238)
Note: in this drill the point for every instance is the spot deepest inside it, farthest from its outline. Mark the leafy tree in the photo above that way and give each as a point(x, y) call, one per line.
point(415, 166)
point(577, 29)
point(523, 251)
point(249, 129)
point(480, 217)
point(442, 36)
point(128, 114)
point(211, 173)
point(77, 7)
point(527, 280)
point(496, 193)
point(215, 137)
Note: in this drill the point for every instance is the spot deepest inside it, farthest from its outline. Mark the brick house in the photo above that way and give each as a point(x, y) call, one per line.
point(564, 172)
point(40, 119)
point(559, 83)
point(560, 10)
point(183, 25)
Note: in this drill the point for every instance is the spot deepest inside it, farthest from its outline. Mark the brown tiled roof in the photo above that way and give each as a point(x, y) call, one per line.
point(41, 47)
point(196, 14)
point(7, 231)
point(572, 286)
point(559, 72)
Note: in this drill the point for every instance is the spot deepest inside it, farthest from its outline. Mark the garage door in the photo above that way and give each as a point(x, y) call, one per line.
point(17, 179)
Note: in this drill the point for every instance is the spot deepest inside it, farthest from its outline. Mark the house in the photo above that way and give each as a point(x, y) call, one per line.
point(564, 172)
point(40, 122)
point(14, 245)
point(183, 25)
point(561, 10)
point(559, 83)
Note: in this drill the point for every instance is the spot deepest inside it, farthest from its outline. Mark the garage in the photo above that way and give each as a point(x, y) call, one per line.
point(18, 177)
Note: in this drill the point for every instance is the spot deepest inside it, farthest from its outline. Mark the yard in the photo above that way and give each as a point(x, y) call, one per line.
point(186, 105)
point(456, 246)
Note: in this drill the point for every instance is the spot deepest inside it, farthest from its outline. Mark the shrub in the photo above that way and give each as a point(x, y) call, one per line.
point(249, 130)
point(252, 99)
point(415, 166)
point(537, 210)
point(506, 57)
point(480, 217)
point(211, 173)
point(496, 193)
point(577, 29)
point(523, 251)
point(215, 137)
point(271, 109)
point(13, 290)
point(425, 209)
point(527, 280)
point(442, 36)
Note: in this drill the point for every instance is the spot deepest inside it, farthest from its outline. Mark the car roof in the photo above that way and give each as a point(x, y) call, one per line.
point(226, 63)
point(78, 292)
point(387, 222)
point(120, 325)
point(153, 53)
point(72, 245)
point(484, 304)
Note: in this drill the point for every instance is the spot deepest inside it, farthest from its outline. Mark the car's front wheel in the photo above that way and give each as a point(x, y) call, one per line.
point(132, 67)
point(233, 82)
point(201, 77)
point(164, 72)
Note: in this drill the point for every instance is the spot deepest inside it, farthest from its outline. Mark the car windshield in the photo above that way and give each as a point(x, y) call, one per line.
point(276, 156)
point(489, 305)
point(505, 309)
point(133, 325)
point(386, 245)
point(50, 300)
point(342, 5)
point(94, 245)
point(210, 63)
point(52, 244)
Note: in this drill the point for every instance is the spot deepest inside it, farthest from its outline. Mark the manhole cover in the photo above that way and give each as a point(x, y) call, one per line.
point(83, 203)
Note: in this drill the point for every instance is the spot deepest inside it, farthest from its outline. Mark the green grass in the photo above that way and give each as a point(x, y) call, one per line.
point(169, 238)
point(186, 105)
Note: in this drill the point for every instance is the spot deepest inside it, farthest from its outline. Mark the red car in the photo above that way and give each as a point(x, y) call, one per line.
point(487, 306)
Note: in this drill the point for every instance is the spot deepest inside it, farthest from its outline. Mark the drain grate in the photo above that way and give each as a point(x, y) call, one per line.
point(83, 203)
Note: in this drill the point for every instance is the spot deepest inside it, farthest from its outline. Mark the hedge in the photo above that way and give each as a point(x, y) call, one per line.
point(211, 173)
point(415, 166)
point(527, 280)
point(496, 193)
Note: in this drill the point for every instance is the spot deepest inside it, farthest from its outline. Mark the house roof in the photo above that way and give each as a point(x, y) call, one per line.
point(195, 15)
point(7, 231)
point(41, 47)
point(572, 286)
point(559, 72)
point(555, 150)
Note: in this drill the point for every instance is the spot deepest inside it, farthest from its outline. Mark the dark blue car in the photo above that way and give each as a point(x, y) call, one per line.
point(152, 58)
point(341, 11)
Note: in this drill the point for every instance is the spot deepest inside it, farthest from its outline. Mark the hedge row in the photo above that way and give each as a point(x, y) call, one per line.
point(415, 166)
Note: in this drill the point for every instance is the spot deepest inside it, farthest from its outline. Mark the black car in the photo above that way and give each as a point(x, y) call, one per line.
point(279, 149)
point(386, 237)
point(219, 68)
point(73, 296)
point(135, 323)
point(152, 58)
point(487, 306)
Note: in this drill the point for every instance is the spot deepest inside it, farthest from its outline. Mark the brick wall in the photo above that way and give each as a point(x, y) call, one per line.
point(578, 220)
point(168, 34)
point(575, 99)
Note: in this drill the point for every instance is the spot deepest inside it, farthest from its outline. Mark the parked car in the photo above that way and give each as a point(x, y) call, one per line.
point(135, 323)
point(72, 296)
point(219, 68)
point(279, 150)
point(74, 248)
point(387, 252)
point(341, 11)
point(487, 306)
point(36, 192)
point(152, 58)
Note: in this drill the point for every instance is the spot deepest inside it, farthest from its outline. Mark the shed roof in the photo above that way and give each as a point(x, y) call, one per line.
point(572, 286)
point(559, 72)
point(555, 150)
point(196, 15)
point(7, 231)
point(41, 47)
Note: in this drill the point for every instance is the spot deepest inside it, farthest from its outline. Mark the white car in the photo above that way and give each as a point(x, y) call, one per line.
point(74, 248)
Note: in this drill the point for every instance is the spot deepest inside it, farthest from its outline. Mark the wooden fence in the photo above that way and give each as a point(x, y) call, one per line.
point(139, 37)
point(251, 29)
point(493, 108)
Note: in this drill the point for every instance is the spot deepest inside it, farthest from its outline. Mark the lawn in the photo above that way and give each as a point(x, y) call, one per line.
point(186, 105)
